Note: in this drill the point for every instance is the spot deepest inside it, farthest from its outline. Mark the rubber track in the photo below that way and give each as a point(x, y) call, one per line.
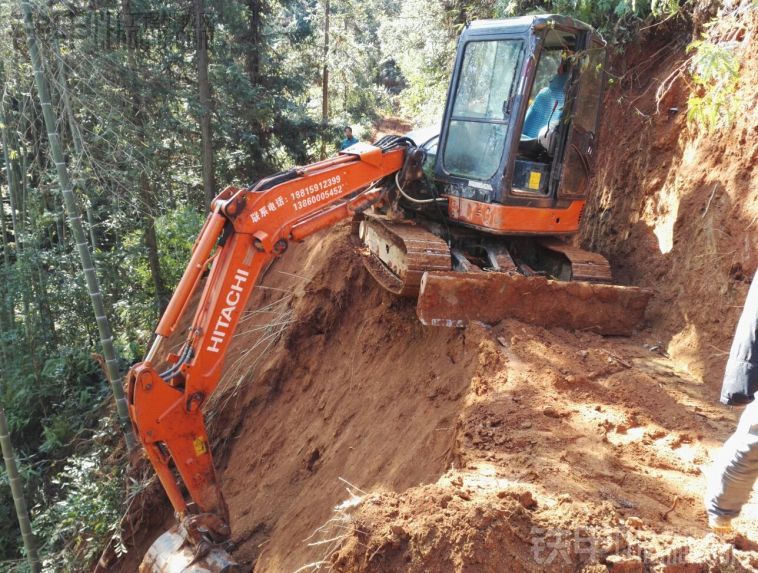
point(585, 265)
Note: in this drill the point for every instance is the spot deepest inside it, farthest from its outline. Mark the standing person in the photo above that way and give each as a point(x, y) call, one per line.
point(349, 140)
point(735, 468)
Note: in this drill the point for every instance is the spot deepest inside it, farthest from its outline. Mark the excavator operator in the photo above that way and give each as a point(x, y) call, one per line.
point(544, 113)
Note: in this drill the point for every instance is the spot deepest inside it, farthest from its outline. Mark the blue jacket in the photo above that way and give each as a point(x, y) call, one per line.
point(546, 107)
point(348, 142)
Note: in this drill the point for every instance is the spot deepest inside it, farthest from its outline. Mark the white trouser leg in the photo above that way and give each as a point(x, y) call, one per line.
point(735, 469)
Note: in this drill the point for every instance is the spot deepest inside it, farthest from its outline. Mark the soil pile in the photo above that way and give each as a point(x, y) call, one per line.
point(485, 449)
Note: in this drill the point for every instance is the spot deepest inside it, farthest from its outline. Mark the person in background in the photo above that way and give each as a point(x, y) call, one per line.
point(735, 468)
point(349, 140)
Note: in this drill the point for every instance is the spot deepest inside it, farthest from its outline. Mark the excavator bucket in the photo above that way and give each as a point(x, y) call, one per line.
point(454, 299)
point(172, 553)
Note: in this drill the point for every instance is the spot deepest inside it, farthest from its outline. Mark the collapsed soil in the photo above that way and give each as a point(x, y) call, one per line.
point(350, 438)
point(674, 207)
point(459, 448)
point(512, 448)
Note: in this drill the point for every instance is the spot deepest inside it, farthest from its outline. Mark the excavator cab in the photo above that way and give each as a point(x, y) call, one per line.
point(520, 124)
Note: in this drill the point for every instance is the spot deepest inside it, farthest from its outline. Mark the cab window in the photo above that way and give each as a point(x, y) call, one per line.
point(481, 108)
point(545, 120)
point(591, 86)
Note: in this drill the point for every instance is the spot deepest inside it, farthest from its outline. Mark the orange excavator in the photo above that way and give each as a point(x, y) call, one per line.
point(468, 221)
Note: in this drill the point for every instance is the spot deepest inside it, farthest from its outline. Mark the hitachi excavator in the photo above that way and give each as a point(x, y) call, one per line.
point(468, 218)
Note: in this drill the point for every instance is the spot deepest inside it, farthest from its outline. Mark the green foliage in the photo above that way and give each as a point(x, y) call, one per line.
point(137, 162)
point(76, 527)
point(617, 20)
point(10, 537)
point(177, 231)
point(715, 72)
point(423, 46)
point(47, 408)
point(422, 35)
point(357, 95)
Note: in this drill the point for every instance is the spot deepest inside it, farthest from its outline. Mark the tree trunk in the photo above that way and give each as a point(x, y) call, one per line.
point(90, 212)
point(76, 140)
point(35, 277)
point(253, 54)
point(17, 490)
point(10, 154)
point(75, 220)
point(151, 246)
point(7, 310)
point(253, 38)
point(149, 238)
point(76, 136)
point(9, 180)
point(325, 83)
point(39, 276)
point(204, 90)
point(11, 171)
point(4, 231)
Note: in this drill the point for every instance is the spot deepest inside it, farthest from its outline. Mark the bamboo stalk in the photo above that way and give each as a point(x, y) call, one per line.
point(206, 103)
point(7, 302)
point(11, 172)
point(77, 229)
point(76, 137)
point(17, 219)
point(17, 490)
point(325, 83)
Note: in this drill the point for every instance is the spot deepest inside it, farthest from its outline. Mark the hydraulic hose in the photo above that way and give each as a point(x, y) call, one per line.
point(413, 199)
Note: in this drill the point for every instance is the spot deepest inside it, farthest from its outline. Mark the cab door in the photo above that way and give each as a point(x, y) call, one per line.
point(580, 145)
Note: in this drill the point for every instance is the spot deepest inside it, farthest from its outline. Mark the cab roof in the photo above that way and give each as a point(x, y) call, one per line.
point(521, 24)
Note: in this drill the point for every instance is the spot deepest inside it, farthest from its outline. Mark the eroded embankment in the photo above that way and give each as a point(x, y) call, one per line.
point(485, 449)
point(675, 208)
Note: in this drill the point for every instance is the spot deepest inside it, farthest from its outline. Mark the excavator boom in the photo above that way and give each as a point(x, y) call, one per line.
point(464, 277)
point(246, 229)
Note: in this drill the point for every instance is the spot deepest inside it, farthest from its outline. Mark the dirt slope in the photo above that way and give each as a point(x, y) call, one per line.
point(467, 450)
point(676, 209)
point(332, 401)
point(350, 438)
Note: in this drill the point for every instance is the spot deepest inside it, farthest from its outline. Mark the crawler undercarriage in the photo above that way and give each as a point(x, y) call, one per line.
point(467, 277)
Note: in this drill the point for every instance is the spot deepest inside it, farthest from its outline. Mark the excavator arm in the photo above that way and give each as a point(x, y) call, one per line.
point(246, 229)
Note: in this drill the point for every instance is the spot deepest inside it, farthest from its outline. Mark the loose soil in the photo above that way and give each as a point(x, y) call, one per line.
point(350, 438)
